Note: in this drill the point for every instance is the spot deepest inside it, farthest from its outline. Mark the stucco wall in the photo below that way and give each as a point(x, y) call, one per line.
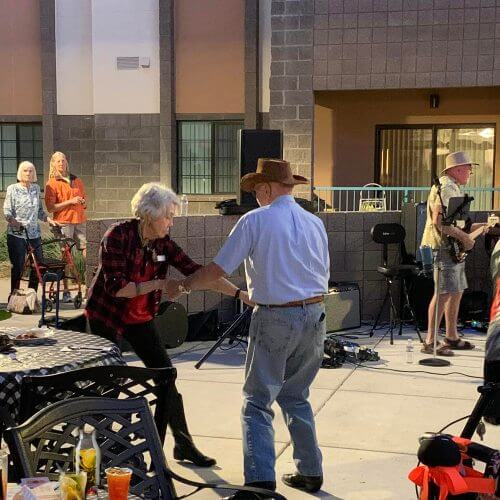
point(209, 56)
point(20, 58)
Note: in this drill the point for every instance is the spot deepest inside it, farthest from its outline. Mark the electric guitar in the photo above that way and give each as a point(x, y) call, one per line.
point(457, 252)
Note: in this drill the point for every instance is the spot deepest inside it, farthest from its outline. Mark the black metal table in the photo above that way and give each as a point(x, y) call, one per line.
point(65, 351)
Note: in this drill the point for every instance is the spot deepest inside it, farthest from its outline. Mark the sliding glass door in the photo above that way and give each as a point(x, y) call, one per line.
point(413, 155)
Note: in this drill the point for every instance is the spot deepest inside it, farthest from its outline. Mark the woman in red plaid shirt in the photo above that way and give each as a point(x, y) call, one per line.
point(126, 291)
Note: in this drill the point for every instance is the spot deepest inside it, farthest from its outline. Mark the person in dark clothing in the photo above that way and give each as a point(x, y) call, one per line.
point(126, 291)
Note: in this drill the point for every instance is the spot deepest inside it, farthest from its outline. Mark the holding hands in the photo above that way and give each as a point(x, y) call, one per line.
point(174, 288)
point(171, 288)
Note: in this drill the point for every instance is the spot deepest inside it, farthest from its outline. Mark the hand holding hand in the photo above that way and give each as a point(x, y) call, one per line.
point(171, 288)
point(15, 224)
point(245, 298)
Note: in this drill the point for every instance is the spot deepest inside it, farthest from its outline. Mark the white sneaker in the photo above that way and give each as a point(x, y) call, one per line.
point(67, 298)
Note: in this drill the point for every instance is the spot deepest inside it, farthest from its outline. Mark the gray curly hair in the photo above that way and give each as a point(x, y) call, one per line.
point(152, 200)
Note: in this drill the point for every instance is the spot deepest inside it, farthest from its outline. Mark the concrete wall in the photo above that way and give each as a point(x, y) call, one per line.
point(201, 237)
point(114, 154)
point(20, 58)
point(354, 256)
point(327, 45)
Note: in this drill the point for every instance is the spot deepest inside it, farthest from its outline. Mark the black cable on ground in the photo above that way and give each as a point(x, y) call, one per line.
point(362, 365)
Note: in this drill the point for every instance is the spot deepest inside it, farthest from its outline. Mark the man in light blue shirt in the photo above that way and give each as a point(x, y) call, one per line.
point(285, 251)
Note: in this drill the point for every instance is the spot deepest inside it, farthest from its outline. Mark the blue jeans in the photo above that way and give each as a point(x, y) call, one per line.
point(284, 355)
point(17, 248)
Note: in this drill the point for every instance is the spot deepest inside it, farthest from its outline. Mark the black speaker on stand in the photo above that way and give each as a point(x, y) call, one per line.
point(252, 145)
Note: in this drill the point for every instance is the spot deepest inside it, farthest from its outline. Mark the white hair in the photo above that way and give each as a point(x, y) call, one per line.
point(153, 200)
point(24, 164)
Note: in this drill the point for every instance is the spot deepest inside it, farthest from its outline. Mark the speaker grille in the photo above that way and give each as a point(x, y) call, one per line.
point(342, 308)
point(127, 63)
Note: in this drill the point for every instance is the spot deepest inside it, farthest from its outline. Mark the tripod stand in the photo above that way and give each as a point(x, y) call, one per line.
point(230, 333)
point(396, 316)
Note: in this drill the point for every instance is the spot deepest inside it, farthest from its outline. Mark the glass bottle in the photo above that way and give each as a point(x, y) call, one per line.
point(184, 205)
point(409, 351)
point(88, 459)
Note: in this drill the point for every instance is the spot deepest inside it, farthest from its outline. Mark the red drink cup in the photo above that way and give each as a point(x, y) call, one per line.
point(118, 482)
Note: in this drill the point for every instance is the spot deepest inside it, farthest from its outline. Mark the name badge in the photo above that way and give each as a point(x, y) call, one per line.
point(161, 258)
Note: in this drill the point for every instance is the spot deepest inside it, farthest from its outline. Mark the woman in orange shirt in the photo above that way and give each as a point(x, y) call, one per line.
point(65, 198)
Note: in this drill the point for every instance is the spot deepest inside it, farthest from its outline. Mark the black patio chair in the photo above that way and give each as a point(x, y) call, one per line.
point(44, 444)
point(117, 381)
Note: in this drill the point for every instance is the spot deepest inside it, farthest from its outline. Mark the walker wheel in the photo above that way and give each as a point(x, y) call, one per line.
point(77, 301)
point(49, 305)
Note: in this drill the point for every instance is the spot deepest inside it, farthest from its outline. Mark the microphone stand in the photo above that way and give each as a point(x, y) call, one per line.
point(435, 361)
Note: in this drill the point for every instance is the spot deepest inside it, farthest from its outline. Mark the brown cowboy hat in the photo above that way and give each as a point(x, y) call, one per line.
point(271, 170)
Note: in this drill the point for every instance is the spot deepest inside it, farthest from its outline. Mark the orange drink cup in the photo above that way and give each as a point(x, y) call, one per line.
point(118, 482)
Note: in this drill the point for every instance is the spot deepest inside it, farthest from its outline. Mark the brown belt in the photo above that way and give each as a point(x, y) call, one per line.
point(296, 303)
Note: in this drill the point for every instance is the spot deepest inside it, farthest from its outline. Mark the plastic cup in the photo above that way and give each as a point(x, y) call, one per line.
point(72, 485)
point(118, 482)
point(4, 467)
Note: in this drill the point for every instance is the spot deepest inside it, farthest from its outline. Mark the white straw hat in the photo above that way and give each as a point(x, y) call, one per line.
point(456, 159)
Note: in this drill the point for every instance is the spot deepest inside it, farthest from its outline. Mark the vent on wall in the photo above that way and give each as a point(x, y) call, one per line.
point(127, 63)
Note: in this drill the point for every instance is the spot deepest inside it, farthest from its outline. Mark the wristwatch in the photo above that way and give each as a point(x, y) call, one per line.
point(183, 289)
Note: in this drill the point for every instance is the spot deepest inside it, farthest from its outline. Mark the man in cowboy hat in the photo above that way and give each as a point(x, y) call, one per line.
point(453, 281)
point(285, 250)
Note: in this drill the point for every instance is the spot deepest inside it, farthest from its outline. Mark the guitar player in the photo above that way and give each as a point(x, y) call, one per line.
point(453, 281)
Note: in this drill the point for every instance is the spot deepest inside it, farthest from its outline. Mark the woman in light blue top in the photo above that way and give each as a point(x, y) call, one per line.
point(22, 209)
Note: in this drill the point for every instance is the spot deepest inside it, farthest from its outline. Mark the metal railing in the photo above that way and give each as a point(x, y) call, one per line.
point(374, 198)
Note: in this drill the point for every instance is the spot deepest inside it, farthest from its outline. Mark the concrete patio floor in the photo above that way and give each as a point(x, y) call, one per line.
point(368, 421)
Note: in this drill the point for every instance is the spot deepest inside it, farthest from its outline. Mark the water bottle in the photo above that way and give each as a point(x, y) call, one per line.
point(184, 205)
point(409, 351)
point(88, 459)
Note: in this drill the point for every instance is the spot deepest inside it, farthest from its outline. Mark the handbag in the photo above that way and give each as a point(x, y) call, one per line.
point(24, 302)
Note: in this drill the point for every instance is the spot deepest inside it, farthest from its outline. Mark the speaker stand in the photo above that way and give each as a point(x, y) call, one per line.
point(435, 361)
point(227, 334)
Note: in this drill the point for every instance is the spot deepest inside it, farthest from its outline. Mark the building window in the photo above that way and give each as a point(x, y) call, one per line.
point(19, 142)
point(208, 156)
point(413, 155)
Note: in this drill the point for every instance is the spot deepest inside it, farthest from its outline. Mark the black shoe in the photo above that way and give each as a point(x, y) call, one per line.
point(307, 483)
point(192, 454)
point(247, 495)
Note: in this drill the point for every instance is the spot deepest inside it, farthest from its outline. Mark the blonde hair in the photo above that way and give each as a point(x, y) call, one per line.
point(27, 164)
point(52, 170)
point(152, 200)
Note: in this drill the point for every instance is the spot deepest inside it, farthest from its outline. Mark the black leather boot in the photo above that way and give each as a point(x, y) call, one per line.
point(306, 483)
point(184, 448)
point(247, 495)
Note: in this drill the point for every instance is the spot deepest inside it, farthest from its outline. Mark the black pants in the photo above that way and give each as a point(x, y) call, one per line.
point(17, 248)
point(145, 341)
point(491, 372)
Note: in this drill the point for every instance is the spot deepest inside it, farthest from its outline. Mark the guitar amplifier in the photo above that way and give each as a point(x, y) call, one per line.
point(342, 307)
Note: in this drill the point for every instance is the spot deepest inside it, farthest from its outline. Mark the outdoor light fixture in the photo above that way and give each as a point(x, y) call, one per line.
point(434, 101)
